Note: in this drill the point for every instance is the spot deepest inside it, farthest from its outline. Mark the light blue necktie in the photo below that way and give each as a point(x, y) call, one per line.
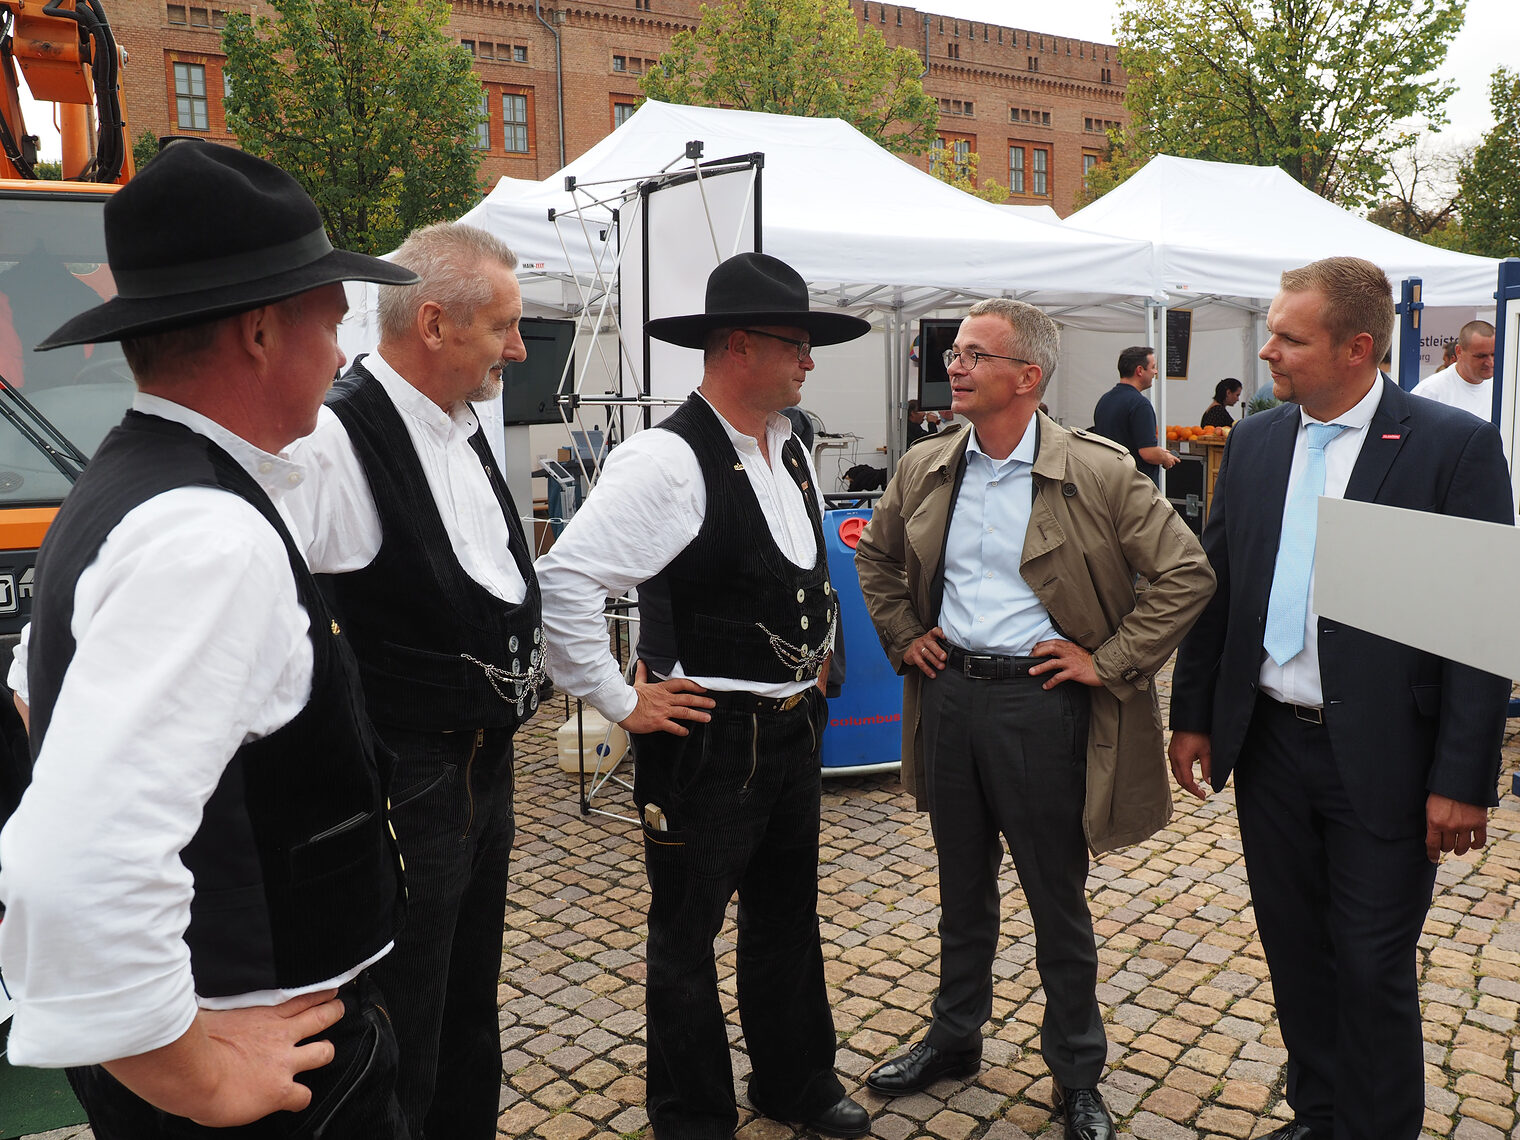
point(1288, 607)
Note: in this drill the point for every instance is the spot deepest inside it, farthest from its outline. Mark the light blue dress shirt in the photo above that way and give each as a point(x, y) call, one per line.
point(988, 607)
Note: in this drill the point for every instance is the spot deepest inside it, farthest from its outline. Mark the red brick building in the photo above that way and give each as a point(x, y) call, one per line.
point(558, 77)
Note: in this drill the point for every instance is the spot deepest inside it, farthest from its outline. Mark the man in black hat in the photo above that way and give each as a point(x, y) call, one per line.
point(718, 524)
point(201, 872)
point(433, 580)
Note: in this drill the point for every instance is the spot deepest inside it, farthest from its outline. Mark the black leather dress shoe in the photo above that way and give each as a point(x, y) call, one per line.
point(842, 1118)
point(920, 1067)
point(1294, 1131)
point(1086, 1115)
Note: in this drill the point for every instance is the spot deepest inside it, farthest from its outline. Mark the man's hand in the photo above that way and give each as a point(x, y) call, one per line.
point(236, 1066)
point(1068, 662)
point(926, 653)
point(1184, 750)
point(664, 704)
point(1453, 826)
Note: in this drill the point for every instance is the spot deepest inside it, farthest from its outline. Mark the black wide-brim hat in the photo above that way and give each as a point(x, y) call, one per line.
point(756, 289)
point(207, 231)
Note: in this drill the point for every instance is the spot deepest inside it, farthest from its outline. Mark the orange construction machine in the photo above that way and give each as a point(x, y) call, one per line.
point(55, 407)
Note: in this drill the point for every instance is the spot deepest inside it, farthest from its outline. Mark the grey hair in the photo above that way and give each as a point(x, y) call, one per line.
point(448, 257)
point(1034, 336)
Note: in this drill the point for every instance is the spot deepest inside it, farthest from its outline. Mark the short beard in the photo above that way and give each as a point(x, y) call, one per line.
point(489, 390)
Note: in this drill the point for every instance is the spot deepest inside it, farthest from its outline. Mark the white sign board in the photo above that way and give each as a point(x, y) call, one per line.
point(1442, 584)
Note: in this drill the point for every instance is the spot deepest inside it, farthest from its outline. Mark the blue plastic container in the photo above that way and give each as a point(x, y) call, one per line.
point(865, 720)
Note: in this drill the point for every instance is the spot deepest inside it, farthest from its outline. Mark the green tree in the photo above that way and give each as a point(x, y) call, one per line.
point(48, 171)
point(371, 105)
point(144, 148)
point(1489, 201)
point(962, 175)
point(799, 57)
point(1321, 88)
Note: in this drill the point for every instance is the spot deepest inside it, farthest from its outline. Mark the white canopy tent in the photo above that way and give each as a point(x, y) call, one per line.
point(1224, 231)
point(871, 234)
point(1222, 234)
point(867, 230)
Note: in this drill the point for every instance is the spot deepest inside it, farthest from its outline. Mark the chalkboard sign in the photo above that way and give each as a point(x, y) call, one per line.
point(1179, 335)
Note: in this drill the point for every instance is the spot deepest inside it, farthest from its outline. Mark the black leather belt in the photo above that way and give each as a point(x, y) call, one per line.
point(989, 666)
point(739, 701)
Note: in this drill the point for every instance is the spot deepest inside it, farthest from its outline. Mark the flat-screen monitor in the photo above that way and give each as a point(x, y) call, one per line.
point(935, 334)
point(530, 389)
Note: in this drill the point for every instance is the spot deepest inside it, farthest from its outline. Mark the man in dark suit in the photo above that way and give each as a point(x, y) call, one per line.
point(1358, 760)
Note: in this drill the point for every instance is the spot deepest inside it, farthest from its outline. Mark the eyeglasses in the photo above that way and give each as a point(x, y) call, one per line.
point(804, 349)
point(951, 356)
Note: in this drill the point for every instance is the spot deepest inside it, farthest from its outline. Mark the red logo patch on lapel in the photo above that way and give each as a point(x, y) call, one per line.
point(1394, 436)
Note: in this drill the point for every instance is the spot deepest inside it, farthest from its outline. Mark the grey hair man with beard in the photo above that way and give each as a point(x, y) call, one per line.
point(431, 576)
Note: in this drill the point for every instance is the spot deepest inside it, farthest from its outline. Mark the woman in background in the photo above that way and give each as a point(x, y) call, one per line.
point(1226, 392)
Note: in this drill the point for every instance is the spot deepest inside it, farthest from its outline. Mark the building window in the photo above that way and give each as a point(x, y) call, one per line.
point(483, 128)
point(190, 97)
point(620, 63)
point(218, 18)
point(1107, 75)
point(485, 50)
point(519, 53)
point(1089, 160)
point(1034, 63)
point(963, 107)
point(953, 51)
point(468, 45)
point(200, 18)
point(177, 14)
point(1029, 169)
point(622, 109)
point(960, 147)
point(514, 123)
point(1099, 126)
point(1029, 115)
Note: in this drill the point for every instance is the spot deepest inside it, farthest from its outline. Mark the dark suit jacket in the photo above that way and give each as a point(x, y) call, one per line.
point(1402, 722)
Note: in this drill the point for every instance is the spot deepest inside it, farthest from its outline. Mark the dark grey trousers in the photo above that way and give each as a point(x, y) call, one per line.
point(1008, 760)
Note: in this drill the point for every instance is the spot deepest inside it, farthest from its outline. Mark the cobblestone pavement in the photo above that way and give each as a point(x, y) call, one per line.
point(1195, 1052)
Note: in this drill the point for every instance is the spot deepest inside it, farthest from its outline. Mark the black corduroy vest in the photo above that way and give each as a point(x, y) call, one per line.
point(437, 650)
point(297, 879)
point(732, 604)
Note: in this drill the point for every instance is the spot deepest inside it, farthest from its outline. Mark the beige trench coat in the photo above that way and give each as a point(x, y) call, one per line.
point(1096, 523)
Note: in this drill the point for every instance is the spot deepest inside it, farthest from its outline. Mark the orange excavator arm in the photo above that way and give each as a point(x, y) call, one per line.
point(65, 51)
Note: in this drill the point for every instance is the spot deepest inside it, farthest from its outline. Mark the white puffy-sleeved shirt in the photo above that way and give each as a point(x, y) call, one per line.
point(334, 511)
point(647, 507)
point(190, 642)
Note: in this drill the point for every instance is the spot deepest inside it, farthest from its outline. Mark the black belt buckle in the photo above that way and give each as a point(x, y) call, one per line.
point(1308, 715)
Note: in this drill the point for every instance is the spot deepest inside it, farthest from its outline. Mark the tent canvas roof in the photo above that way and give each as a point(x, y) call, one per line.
point(855, 220)
point(1229, 230)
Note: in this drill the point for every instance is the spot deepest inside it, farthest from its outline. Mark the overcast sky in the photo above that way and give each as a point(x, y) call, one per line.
point(1491, 35)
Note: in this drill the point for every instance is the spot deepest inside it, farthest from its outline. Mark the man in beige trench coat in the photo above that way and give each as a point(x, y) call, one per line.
point(1000, 569)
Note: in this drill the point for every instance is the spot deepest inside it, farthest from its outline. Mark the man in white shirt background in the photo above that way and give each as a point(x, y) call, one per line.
point(200, 872)
point(717, 516)
point(432, 578)
point(1469, 382)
